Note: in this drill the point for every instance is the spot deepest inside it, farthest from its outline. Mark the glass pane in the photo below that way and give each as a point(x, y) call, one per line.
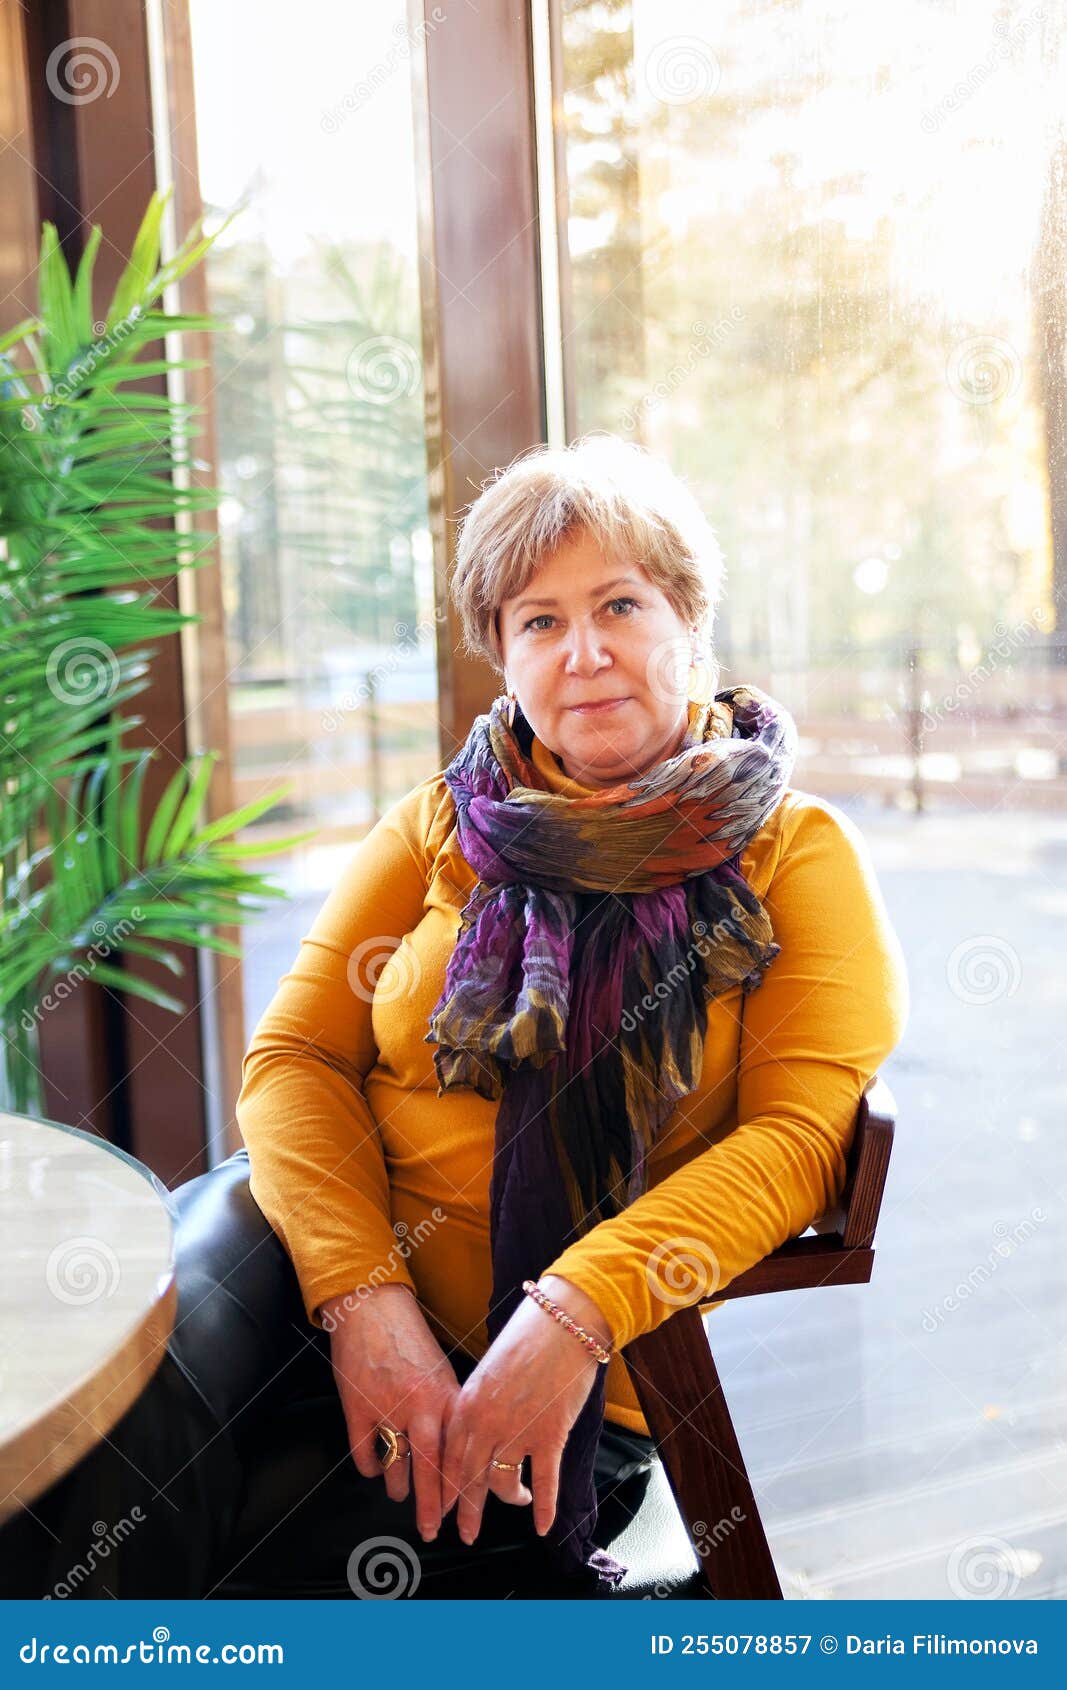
point(326, 550)
point(813, 254)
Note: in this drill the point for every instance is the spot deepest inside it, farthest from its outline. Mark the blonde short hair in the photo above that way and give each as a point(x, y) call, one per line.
point(630, 502)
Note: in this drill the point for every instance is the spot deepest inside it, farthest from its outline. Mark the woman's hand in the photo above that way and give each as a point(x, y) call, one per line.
point(522, 1399)
point(388, 1366)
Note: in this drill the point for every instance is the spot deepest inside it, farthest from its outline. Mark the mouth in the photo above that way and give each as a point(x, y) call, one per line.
point(600, 706)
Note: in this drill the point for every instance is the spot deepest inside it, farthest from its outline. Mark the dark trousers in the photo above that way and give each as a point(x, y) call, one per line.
point(231, 1475)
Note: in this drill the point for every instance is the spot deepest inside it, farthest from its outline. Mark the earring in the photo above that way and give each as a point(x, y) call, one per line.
point(512, 707)
point(700, 676)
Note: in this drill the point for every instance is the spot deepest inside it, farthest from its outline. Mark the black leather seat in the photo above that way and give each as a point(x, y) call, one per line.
point(309, 1524)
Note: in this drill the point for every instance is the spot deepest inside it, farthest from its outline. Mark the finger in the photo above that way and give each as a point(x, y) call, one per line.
point(425, 1436)
point(474, 1484)
point(509, 1486)
point(361, 1437)
point(398, 1474)
point(455, 1441)
point(365, 1452)
point(544, 1479)
point(516, 1493)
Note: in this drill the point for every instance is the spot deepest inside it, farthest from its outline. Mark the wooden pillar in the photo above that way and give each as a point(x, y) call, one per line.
point(480, 286)
point(115, 1065)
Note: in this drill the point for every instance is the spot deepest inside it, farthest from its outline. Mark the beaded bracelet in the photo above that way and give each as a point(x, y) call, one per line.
point(593, 1345)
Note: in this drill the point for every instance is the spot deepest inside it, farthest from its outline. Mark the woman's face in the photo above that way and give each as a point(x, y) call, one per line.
point(585, 629)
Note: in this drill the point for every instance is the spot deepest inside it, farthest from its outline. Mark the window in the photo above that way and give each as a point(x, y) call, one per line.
point(326, 554)
point(812, 253)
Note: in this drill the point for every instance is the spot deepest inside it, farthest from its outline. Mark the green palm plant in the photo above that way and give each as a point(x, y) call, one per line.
point(95, 506)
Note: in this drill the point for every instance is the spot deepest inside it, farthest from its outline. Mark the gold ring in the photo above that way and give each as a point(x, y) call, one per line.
point(506, 1466)
point(392, 1441)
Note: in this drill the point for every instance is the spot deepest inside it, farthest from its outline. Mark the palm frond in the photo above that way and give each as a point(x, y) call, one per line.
point(91, 515)
point(108, 894)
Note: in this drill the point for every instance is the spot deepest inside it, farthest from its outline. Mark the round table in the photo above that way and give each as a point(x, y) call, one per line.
point(87, 1296)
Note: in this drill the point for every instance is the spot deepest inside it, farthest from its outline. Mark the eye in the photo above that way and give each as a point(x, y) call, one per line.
point(544, 617)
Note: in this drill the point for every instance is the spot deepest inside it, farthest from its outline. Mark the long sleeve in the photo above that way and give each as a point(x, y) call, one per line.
point(317, 1165)
point(830, 1009)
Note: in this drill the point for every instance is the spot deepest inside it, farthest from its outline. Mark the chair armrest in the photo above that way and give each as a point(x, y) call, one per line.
point(855, 1215)
point(872, 1145)
point(840, 1252)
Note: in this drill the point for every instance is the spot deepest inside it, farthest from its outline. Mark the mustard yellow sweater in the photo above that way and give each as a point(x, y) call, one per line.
point(369, 1177)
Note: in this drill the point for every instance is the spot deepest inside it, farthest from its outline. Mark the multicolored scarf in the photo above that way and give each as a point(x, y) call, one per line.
point(583, 905)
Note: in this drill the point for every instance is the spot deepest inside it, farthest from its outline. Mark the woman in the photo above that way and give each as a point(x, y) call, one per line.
point(578, 1037)
point(581, 1033)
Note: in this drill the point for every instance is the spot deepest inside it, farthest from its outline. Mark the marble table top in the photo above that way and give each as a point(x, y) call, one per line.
point(87, 1296)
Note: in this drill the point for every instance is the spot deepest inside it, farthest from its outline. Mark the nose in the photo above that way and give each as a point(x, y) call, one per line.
point(587, 651)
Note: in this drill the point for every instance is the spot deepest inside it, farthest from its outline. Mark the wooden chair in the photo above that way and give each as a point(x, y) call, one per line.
point(679, 1389)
